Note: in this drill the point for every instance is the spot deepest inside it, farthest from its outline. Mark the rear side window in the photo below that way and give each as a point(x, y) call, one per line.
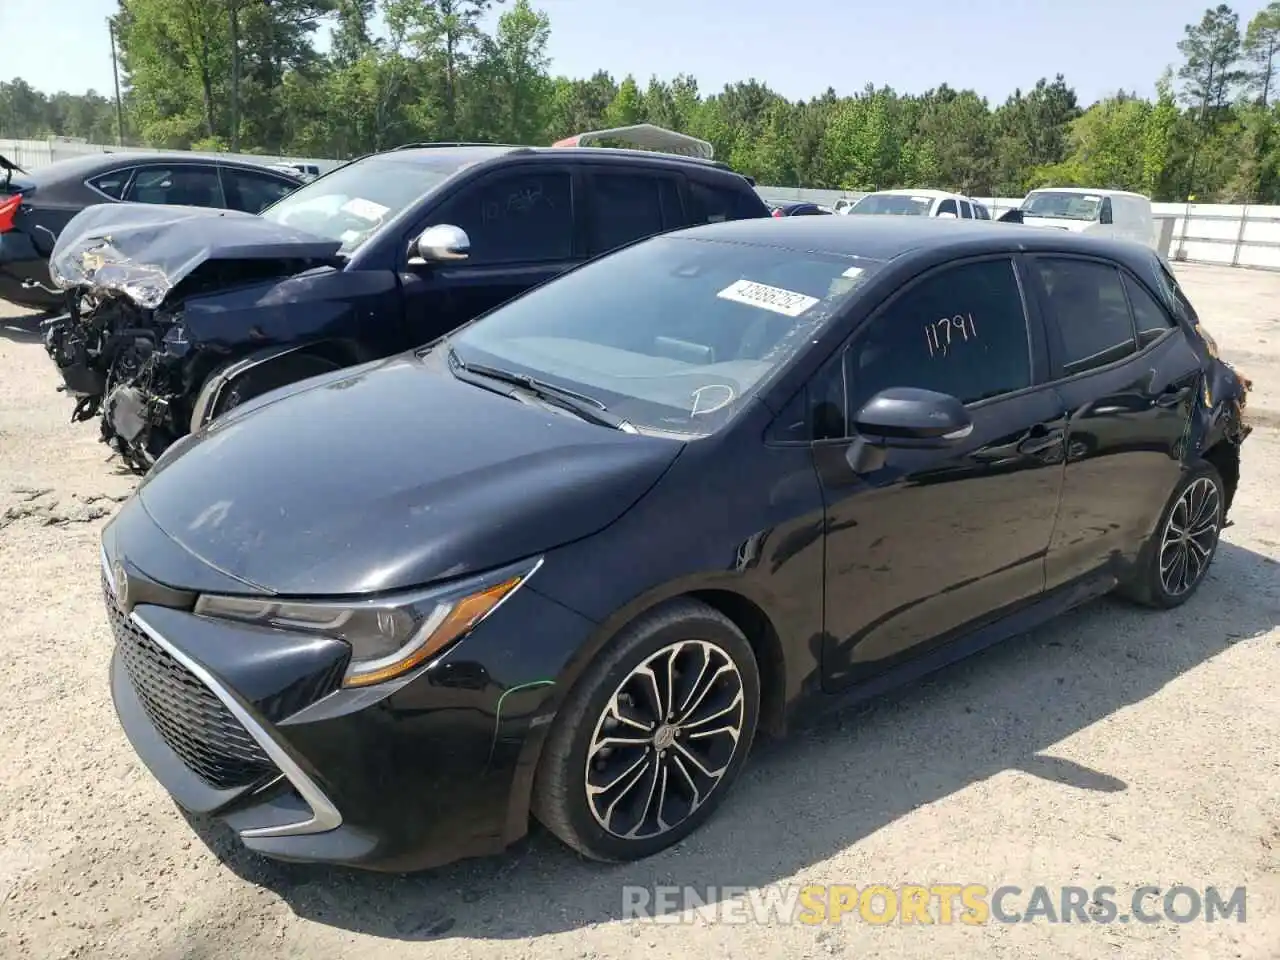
point(1149, 317)
point(1087, 299)
point(112, 184)
point(966, 211)
point(717, 202)
point(629, 206)
point(190, 185)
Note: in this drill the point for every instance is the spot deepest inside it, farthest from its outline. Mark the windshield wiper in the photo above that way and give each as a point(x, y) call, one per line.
point(585, 407)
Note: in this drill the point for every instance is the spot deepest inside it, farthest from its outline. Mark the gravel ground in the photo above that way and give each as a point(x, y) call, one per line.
point(1115, 746)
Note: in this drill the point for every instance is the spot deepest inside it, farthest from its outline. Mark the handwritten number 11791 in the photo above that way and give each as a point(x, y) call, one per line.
point(942, 333)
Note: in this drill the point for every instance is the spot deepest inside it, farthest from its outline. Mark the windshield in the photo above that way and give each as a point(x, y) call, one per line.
point(352, 202)
point(674, 334)
point(1063, 206)
point(894, 204)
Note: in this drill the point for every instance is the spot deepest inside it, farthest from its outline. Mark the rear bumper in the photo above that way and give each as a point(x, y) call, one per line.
point(19, 261)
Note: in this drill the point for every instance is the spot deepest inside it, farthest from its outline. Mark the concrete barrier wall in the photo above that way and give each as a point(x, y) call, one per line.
point(1227, 234)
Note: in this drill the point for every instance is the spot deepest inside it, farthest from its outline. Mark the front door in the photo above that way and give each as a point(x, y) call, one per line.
point(521, 224)
point(934, 542)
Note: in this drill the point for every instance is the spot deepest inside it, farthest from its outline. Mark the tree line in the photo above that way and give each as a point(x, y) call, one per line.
point(252, 76)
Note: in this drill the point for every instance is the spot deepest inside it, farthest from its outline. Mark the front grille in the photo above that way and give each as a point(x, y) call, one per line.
point(195, 724)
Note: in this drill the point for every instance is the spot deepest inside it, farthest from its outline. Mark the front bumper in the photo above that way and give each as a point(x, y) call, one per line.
point(251, 727)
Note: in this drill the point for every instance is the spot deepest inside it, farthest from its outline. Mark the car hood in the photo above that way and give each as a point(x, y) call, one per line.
point(145, 252)
point(391, 475)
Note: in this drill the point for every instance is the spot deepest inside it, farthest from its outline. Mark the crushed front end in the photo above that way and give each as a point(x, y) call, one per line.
point(122, 347)
point(127, 365)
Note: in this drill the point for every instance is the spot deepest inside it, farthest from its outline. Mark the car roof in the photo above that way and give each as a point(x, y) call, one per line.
point(466, 154)
point(888, 238)
point(92, 163)
point(1091, 191)
point(923, 192)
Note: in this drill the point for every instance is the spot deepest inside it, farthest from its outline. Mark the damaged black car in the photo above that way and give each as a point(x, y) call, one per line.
point(176, 315)
point(565, 562)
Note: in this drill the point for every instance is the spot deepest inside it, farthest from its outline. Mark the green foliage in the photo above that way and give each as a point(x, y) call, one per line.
point(250, 75)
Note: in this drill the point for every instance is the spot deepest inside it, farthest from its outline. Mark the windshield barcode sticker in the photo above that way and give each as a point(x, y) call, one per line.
point(786, 302)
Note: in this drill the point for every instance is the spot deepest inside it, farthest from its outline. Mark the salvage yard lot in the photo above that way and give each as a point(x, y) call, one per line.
point(1115, 747)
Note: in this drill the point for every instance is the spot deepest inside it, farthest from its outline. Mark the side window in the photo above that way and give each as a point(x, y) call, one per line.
point(966, 211)
point(1088, 301)
point(1149, 317)
point(948, 206)
point(517, 218)
point(1105, 214)
point(980, 212)
point(113, 183)
point(253, 192)
point(960, 331)
point(624, 207)
point(188, 184)
point(713, 203)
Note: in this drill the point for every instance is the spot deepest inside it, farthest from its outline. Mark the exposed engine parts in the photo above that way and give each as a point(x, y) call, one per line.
point(116, 360)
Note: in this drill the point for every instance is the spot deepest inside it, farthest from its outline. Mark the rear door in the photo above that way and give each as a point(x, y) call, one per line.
point(523, 226)
point(627, 203)
point(1128, 378)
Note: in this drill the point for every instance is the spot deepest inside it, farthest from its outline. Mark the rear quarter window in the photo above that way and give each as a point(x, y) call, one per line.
point(715, 202)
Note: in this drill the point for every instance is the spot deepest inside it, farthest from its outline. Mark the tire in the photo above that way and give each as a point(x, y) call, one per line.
point(1201, 489)
point(269, 376)
point(633, 819)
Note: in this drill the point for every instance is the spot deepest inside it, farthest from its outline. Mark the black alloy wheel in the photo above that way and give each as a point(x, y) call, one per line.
point(649, 741)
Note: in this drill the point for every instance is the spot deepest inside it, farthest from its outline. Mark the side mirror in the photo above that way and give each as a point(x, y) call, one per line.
point(443, 243)
point(947, 216)
point(905, 417)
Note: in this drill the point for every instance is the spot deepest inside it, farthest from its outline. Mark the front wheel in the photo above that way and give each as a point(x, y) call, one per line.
point(270, 376)
point(1175, 561)
point(651, 739)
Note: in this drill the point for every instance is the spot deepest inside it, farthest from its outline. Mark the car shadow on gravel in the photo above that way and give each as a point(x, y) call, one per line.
point(803, 799)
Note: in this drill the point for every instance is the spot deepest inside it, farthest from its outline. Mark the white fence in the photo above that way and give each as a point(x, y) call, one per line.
point(1232, 235)
point(1227, 234)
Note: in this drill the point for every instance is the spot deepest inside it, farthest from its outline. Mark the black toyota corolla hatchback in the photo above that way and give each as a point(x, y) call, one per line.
point(568, 560)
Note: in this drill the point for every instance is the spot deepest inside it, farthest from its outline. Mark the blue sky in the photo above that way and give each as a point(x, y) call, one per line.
point(991, 46)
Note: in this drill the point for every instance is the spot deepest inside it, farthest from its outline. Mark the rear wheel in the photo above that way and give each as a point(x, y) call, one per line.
point(651, 739)
point(1176, 559)
point(269, 376)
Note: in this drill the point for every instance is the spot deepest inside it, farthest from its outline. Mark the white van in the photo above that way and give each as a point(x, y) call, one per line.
point(1103, 213)
point(919, 203)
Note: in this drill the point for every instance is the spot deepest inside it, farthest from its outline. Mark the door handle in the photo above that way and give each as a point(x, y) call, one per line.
point(1040, 439)
point(1172, 396)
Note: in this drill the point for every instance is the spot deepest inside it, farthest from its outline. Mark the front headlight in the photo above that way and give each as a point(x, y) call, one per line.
point(388, 636)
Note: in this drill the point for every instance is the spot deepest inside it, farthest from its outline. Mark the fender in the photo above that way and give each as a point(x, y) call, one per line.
point(207, 399)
